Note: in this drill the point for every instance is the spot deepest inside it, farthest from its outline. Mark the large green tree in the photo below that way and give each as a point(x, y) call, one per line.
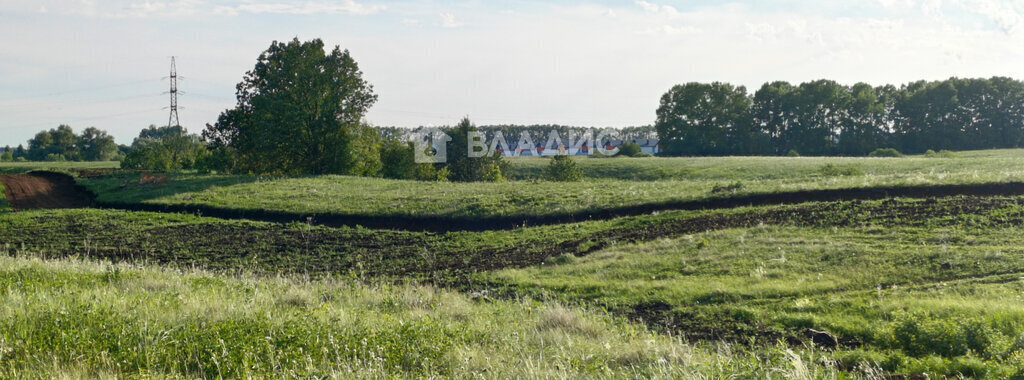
point(704, 119)
point(464, 168)
point(96, 145)
point(299, 111)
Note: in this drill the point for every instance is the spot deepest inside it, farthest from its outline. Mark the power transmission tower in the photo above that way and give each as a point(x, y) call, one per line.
point(173, 120)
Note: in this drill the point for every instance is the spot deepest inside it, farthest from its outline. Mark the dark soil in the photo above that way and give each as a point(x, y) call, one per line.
point(44, 190)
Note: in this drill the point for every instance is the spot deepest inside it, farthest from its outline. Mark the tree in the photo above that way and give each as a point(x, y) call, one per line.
point(461, 166)
point(165, 148)
point(8, 154)
point(96, 145)
point(299, 111)
point(55, 144)
point(862, 124)
point(704, 119)
point(563, 169)
point(819, 107)
point(771, 112)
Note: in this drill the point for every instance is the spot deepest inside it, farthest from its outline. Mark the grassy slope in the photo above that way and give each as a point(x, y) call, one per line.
point(73, 319)
point(372, 196)
point(939, 269)
point(4, 206)
point(919, 298)
point(20, 167)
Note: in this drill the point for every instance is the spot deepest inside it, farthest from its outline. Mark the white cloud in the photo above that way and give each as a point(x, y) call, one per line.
point(1007, 16)
point(666, 10)
point(647, 6)
point(147, 8)
point(311, 7)
point(448, 20)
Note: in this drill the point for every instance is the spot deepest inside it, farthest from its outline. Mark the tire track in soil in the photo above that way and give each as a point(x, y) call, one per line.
point(44, 190)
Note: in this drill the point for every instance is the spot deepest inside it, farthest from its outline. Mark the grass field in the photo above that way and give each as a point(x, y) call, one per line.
point(706, 178)
point(944, 300)
point(899, 283)
point(727, 169)
point(21, 167)
point(73, 319)
point(4, 206)
point(828, 289)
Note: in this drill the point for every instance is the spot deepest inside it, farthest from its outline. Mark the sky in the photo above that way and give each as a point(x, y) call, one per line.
point(597, 63)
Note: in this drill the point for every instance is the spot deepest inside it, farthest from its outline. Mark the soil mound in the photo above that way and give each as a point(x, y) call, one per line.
point(44, 190)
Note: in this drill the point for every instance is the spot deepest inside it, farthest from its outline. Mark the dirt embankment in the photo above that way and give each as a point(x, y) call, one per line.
point(44, 190)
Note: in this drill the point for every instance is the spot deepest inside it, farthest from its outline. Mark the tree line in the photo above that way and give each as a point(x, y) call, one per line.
point(62, 144)
point(824, 117)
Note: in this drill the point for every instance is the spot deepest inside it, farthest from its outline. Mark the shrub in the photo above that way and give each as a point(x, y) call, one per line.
point(930, 153)
point(54, 157)
point(793, 153)
point(885, 152)
point(493, 173)
point(945, 153)
point(563, 169)
point(949, 337)
point(629, 149)
point(830, 170)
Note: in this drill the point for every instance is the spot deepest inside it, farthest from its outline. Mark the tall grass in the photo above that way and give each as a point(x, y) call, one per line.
point(73, 319)
point(941, 298)
point(4, 206)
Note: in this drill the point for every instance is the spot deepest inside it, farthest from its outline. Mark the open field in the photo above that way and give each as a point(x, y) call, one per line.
point(820, 289)
point(721, 178)
point(74, 319)
point(886, 278)
point(727, 169)
point(22, 167)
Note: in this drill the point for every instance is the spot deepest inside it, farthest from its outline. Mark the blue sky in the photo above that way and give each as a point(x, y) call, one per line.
point(588, 63)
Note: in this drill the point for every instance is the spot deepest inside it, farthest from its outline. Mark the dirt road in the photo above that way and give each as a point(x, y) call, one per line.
point(43, 190)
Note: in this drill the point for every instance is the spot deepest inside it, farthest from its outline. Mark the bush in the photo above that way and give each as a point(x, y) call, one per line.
point(629, 149)
point(885, 152)
point(54, 157)
point(923, 335)
point(793, 153)
point(493, 173)
point(830, 170)
point(563, 169)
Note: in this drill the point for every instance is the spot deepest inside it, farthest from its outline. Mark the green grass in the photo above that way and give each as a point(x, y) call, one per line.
point(728, 169)
point(903, 278)
point(706, 178)
point(73, 319)
point(942, 298)
point(21, 167)
point(4, 206)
